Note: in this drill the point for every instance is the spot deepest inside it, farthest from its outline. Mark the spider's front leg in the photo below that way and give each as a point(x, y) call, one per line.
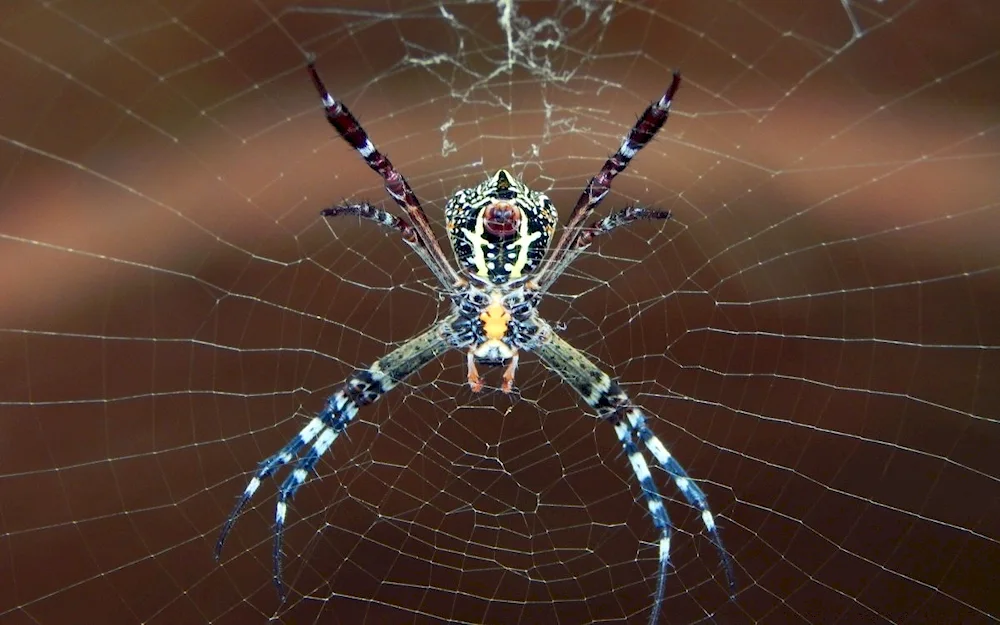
point(363, 387)
point(603, 394)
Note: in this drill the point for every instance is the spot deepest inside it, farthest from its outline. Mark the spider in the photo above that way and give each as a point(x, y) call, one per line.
point(500, 232)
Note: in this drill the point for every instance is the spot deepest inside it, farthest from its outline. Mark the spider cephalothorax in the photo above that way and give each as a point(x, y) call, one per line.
point(492, 322)
point(500, 231)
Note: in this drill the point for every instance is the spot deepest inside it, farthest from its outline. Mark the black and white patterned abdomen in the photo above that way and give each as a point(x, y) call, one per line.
point(500, 230)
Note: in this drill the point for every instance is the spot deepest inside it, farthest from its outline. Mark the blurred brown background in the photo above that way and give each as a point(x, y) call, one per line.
point(817, 330)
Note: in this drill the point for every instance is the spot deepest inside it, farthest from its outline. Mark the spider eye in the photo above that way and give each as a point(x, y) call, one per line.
point(502, 219)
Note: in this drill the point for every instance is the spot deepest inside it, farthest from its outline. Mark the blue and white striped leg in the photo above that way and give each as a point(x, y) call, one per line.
point(654, 501)
point(342, 405)
point(612, 404)
point(688, 487)
point(321, 431)
point(265, 469)
point(362, 388)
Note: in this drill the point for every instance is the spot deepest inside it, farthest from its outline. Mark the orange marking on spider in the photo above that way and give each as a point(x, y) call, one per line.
point(495, 320)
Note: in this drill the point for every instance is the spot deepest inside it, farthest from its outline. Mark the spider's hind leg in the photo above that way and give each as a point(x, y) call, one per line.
point(648, 124)
point(348, 127)
point(621, 218)
point(385, 219)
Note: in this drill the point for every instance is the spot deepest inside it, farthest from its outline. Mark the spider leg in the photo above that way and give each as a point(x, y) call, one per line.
point(691, 491)
point(363, 387)
point(604, 226)
point(365, 210)
point(651, 120)
point(350, 129)
point(621, 218)
point(612, 404)
point(654, 502)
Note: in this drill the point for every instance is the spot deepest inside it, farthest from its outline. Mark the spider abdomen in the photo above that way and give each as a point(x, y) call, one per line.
point(500, 229)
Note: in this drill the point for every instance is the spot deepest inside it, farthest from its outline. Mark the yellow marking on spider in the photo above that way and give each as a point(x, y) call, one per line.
point(495, 319)
point(479, 244)
point(524, 241)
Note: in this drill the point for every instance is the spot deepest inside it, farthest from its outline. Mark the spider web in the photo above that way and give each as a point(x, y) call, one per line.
point(816, 331)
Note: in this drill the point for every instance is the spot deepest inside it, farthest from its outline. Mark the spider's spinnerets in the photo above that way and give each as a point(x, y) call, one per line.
point(500, 229)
